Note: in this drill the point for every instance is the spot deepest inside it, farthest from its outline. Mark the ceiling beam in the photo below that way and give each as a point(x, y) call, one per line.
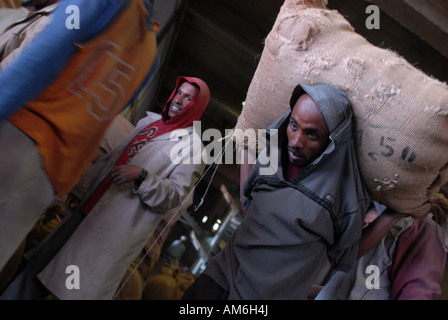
point(441, 5)
point(222, 35)
point(404, 11)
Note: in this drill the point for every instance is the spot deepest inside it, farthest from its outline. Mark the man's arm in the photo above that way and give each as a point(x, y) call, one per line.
point(40, 63)
point(419, 263)
point(374, 232)
point(166, 194)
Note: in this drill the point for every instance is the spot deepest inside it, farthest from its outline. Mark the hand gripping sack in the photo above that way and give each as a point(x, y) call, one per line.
point(401, 114)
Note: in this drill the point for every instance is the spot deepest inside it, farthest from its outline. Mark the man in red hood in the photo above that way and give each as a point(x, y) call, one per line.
point(124, 196)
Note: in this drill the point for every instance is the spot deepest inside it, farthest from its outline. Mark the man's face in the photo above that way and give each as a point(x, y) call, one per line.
point(307, 132)
point(182, 98)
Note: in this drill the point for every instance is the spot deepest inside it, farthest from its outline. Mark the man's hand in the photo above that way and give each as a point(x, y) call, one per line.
point(125, 173)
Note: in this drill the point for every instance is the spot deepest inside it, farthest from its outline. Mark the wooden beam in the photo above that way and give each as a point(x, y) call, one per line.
point(441, 5)
point(416, 23)
point(430, 12)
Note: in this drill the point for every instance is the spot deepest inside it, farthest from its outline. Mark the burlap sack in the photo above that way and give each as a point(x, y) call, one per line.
point(401, 114)
point(169, 284)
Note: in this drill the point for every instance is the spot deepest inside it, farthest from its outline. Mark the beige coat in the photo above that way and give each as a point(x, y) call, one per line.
point(118, 227)
point(17, 35)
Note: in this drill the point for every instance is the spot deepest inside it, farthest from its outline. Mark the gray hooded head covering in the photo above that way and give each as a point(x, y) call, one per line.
point(332, 102)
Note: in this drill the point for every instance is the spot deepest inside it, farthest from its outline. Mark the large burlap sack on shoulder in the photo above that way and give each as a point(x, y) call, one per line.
point(401, 114)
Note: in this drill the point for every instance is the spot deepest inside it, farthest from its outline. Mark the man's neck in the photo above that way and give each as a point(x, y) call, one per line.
point(289, 170)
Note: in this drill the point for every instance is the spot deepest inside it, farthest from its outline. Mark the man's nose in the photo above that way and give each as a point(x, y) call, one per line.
point(177, 100)
point(297, 140)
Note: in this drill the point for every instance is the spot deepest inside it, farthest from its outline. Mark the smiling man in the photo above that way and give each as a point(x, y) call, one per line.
point(139, 179)
point(127, 196)
point(312, 205)
point(182, 98)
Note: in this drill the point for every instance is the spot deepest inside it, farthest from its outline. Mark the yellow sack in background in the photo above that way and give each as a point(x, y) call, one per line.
point(169, 284)
point(130, 287)
point(8, 273)
point(401, 114)
point(46, 224)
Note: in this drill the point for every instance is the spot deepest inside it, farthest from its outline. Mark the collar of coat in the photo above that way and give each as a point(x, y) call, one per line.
point(152, 117)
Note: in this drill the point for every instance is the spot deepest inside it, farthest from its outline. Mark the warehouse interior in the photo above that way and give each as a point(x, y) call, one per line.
point(221, 41)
